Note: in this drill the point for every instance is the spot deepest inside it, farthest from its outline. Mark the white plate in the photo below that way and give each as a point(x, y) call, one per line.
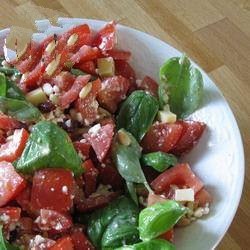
point(218, 159)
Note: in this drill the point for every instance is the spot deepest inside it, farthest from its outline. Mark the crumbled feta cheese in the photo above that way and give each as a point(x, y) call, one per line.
point(56, 89)
point(94, 130)
point(65, 189)
point(47, 88)
point(52, 189)
point(4, 218)
point(186, 194)
point(68, 123)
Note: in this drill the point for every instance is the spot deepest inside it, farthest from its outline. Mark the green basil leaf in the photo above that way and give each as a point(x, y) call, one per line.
point(21, 110)
point(77, 72)
point(126, 158)
point(3, 85)
point(184, 85)
point(9, 71)
point(160, 161)
point(158, 244)
point(49, 146)
point(159, 218)
point(114, 225)
point(4, 245)
point(137, 113)
point(132, 191)
point(13, 91)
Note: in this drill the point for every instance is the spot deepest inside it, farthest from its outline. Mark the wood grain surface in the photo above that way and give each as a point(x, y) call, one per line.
point(214, 33)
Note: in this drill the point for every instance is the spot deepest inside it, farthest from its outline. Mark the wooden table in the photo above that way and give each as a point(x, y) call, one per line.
point(215, 34)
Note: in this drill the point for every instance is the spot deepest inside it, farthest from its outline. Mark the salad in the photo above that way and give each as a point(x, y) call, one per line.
point(90, 155)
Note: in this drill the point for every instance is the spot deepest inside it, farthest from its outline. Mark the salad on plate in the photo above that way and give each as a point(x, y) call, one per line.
point(90, 155)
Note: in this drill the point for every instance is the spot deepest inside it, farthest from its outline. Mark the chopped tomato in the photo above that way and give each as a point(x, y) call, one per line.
point(23, 198)
point(64, 243)
point(26, 225)
point(13, 149)
point(88, 106)
point(106, 37)
point(9, 214)
point(40, 243)
point(83, 148)
point(162, 137)
point(64, 80)
point(88, 67)
point(169, 235)
point(124, 69)
point(192, 131)
point(9, 123)
point(85, 53)
point(109, 175)
point(112, 92)
point(150, 85)
point(154, 198)
point(118, 54)
point(90, 177)
point(101, 140)
point(72, 94)
point(203, 197)
point(80, 241)
point(99, 201)
point(179, 175)
point(11, 183)
point(53, 189)
point(53, 221)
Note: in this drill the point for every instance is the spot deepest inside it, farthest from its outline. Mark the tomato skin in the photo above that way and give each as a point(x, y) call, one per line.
point(162, 137)
point(90, 177)
point(52, 189)
point(72, 94)
point(13, 149)
point(106, 37)
point(118, 54)
point(180, 175)
point(203, 197)
point(11, 183)
point(149, 85)
point(124, 69)
point(101, 140)
point(53, 221)
point(83, 148)
point(40, 243)
point(64, 80)
point(88, 106)
point(14, 214)
point(192, 131)
point(169, 235)
point(80, 241)
point(9, 123)
point(113, 91)
point(64, 243)
point(88, 67)
point(23, 198)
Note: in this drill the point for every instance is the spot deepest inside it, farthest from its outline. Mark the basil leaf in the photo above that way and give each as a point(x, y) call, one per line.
point(3, 86)
point(184, 85)
point(137, 113)
point(77, 72)
point(21, 110)
point(4, 245)
point(49, 146)
point(159, 218)
point(158, 244)
point(126, 158)
point(114, 225)
point(132, 191)
point(13, 91)
point(160, 161)
point(9, 71)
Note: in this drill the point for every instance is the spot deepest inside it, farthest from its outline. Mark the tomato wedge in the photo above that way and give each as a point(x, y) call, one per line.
point(72, 94)
point(106, 37)
point(11, 183)
point(64, 80)
point(169, 235)
point(180, 175)
point(162, 137)
point(118, 54)
point(112, 92)
point(192, 131)
point(13, 149)
point(9, 123)
point(90, 177)
point(83, 148)
point(80, 241)
point(88, 67)
point(203, 197)
point(64, 243)
point(53, 189)
point(53, 221)
point(149, 85)
point(100, 139)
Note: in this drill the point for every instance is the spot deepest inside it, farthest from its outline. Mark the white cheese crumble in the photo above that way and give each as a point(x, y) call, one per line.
point(65, 189)
point(47, 88)
point(94, 130)
point(186, 194)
